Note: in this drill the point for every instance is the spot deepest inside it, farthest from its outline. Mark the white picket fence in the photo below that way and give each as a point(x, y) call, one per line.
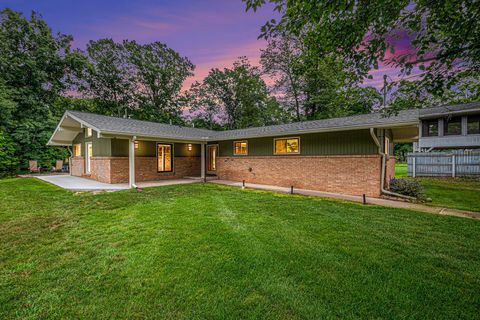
point(443, 164)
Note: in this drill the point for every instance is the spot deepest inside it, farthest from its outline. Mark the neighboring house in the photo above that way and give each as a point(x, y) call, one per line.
point(449, 127)
point(352, 155)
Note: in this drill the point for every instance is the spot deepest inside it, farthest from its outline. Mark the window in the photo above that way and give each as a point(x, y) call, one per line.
point(287, 146)
point(473, 124)
point(77, 150)
point(88, 132)
point(240, 148)
point(164, 157)
point(430, 128)
point(453, 126)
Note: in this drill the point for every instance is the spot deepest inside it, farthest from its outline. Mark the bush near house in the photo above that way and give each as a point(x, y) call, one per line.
point(409, 188)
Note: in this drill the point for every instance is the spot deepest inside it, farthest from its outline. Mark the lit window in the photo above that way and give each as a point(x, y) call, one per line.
point(473, 124)
point(88, 132)
point(430, 128)
point(453, 126)
point(164, 157)
point(77, 150)
point(240, 148)
point(287, 146)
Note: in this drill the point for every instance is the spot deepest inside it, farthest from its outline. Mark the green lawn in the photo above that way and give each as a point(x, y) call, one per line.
point(206, 251)
point(458, 193)
point(400, 170)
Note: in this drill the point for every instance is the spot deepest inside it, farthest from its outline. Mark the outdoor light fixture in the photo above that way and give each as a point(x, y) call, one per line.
point(189, 147)
point(136, 144)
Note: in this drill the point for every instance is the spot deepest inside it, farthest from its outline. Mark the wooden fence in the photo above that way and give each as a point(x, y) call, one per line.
point(443, 164)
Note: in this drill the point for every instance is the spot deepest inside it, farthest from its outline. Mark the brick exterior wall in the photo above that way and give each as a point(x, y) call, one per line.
point(115, 169)
point(353, 174)
point(77, 166)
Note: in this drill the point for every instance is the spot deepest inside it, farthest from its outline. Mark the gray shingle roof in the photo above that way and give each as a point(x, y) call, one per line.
point(108, 124)
point(334, 124)
point(139, 128)
point(448, 109)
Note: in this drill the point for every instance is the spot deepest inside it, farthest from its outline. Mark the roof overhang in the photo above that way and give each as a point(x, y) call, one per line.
point(67, 129)
point(322, 130)
point(444, 113)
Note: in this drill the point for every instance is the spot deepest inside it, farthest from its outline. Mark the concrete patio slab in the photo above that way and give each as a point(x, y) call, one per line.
point(82, 184)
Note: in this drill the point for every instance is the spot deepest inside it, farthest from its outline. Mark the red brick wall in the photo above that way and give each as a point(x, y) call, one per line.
point(115, 169)
point(351, 174)
point(77, 166)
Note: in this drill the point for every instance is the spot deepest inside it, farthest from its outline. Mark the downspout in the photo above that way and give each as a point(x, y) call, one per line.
point(382, 181)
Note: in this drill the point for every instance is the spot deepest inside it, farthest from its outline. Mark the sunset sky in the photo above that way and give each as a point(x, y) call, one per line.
point(211, 33)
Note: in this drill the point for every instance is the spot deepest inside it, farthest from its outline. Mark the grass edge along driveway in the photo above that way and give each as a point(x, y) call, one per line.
point(208, 251)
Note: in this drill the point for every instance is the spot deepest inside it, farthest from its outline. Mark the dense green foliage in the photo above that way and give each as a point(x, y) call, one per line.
point(407, 187)
point(237, 96)
point(34, 63)
point(143, 81)
point(444, 33)
point(203, 251)
point(312, 87)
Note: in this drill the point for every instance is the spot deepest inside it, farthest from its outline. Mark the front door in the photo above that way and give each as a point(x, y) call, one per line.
point(88, 157)
point(212, 158)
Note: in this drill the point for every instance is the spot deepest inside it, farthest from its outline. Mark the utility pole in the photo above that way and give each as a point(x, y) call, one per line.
point(384, 90)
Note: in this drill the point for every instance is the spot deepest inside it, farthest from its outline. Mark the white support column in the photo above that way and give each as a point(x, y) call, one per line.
point(131, 162)
point(202, 162)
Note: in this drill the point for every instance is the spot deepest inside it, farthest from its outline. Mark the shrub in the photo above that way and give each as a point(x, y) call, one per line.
point(408, 188)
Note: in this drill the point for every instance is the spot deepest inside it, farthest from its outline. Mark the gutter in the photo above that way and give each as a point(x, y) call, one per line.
point(382, 181)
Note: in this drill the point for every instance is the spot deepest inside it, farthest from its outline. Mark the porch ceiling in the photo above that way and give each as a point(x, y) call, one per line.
point(66, 131)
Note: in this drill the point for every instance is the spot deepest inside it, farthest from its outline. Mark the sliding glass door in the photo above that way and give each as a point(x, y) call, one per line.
point(164, 157)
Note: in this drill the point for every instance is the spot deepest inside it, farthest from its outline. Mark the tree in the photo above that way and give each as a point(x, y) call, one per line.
point(464, 87)
point(444, 34)
point(34, 69)
point(159, 73)
point(237, 96)
point(281, 60)
point(107, 77)
point(8, 161)
point(314, 87)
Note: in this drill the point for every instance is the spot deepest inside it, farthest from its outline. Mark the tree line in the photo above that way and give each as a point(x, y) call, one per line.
point(317, 57)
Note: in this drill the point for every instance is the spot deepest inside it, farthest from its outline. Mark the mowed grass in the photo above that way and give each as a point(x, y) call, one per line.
point(458, 193)
point(206, 251)
point(400, 170)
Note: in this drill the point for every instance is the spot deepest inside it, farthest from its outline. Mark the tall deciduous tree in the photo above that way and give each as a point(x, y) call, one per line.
point(238, 95)
point(444, 33)
point(281, 60)
point(34, 64)
point(107, 77)
point(314, 87)
point(159, 73)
